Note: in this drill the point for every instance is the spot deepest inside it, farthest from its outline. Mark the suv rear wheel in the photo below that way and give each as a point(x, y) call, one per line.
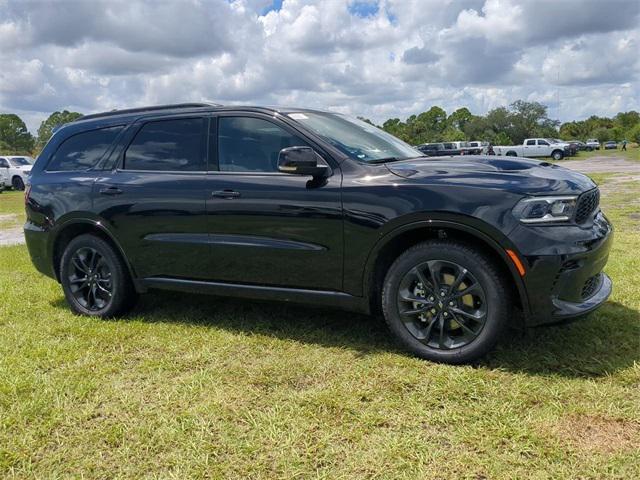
point(445, 302)
point(94, 278)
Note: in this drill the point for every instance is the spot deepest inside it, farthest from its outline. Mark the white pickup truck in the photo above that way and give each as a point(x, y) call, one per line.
point(534, 147)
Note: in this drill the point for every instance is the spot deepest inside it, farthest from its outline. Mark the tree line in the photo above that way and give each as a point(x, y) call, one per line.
point(500, 126)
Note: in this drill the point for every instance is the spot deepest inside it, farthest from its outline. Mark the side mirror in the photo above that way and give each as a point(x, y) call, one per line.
point(302, 161)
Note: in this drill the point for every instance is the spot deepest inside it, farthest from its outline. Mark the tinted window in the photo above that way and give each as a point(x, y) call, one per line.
point(20, 161)
point(248, 144)
point(542, 142)
point(174, 145)
point(4, 162)
point(82, 151)
point(531, 142)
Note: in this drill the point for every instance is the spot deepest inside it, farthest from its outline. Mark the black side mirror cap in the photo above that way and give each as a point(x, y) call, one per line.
point(302, 161)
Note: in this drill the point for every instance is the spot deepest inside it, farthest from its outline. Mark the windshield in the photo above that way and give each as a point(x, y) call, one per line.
point(19, 161)
point(355, 138)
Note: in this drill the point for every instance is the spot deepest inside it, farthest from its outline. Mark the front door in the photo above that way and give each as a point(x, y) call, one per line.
point(267, 227)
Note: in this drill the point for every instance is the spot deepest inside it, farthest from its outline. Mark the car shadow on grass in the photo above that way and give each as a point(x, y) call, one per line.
point(603, 343)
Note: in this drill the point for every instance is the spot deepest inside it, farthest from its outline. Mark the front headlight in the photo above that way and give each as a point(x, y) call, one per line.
point(545, 209)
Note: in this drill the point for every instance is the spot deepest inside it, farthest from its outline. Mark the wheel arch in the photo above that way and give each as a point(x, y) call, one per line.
point(397, 241)
point(76, 227)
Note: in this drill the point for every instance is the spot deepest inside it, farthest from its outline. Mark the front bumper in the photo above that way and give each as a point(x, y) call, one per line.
point(565, 277)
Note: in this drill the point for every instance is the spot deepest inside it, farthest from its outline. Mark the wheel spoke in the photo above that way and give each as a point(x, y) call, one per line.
point(470, 289)
point(421, 278)
point(102, 289)
point(427, 333)
point(464, 326)
point(408, 297)
point(441, 336)
point(477, 317)
point(79, 264)
point(415, 311)
point(434, 278)
point(456, 283)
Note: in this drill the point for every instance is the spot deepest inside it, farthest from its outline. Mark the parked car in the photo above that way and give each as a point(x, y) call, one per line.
point(438, 149)
point(466, 148)
point(535, 147)
point(313, 207)
point(17, 169)
point(483, 146)
point(581, 145)
point(610, 145)
point(593, 144)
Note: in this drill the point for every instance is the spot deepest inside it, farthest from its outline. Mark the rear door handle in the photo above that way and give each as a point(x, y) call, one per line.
point(110, 191)
point(227, 193)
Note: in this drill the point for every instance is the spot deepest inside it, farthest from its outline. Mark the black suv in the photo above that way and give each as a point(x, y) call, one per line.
point(314, 207)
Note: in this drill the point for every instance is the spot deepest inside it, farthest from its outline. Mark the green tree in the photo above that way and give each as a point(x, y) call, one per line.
point(603, 134)
point(14, 136)
point(459, 119)
point(634, 134)
point(55, 120)
point(529, 119)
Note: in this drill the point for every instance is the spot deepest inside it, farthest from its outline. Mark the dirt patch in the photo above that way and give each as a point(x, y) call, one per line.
point(11, 236)
point(603, 165)
point(10, 230)
point(599, 434)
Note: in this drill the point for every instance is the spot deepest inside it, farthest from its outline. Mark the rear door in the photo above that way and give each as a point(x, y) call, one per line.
point(268, 227)
point(153, 200)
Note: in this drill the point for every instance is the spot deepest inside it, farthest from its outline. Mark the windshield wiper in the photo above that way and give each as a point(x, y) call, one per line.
point(391, 159)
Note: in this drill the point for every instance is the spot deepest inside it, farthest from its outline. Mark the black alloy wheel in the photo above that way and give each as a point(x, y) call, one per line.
point(90, 279)
point(442, 304)
point(446, 301)
point(95, 279)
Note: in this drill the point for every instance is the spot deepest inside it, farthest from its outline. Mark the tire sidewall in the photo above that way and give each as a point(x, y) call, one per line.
point(497, 305)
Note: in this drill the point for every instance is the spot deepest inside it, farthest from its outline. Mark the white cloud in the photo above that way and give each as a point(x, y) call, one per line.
point(377, 58)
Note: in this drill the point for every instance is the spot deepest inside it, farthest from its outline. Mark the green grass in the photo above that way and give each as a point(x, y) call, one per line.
point(192, 386)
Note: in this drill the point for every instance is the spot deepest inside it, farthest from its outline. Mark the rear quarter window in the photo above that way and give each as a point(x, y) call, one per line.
point(83, 150)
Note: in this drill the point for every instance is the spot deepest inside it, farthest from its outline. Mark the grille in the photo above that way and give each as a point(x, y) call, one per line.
point(590, 286)
point(587, 204)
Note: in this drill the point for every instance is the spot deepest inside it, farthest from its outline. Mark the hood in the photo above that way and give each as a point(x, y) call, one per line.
point(522, 175)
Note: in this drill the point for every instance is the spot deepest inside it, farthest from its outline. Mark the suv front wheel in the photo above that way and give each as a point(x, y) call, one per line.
point(94, 278)
point(445, 302)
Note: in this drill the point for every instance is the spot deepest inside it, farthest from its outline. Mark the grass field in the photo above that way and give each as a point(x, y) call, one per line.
point(200, 387)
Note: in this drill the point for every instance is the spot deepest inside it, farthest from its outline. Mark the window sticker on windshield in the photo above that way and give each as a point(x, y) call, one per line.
point(298, 116)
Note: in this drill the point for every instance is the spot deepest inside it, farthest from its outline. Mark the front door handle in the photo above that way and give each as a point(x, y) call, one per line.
point(110, 191)
point(226, 193)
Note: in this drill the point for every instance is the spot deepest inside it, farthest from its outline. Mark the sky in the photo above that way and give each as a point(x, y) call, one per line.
point(378, 59)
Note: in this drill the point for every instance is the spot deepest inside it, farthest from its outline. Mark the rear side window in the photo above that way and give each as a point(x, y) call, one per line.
point(168, 145)
point(82, 151)
point(531, 142)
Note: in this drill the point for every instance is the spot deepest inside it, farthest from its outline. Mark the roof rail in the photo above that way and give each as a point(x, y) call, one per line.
point(173, 106)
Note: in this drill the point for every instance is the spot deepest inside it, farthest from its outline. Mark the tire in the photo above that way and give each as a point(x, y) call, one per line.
point(422, 334)
point(17, 183)
point(511, 154)
point(109, 291)
point(557, 155)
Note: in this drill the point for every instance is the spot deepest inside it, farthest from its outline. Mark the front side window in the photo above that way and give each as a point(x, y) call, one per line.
point(543, 142)
point(357, 139)
point(83, 151)
point(168, 145)
point(4, 163)
point(247, 144)
point(20, 161)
